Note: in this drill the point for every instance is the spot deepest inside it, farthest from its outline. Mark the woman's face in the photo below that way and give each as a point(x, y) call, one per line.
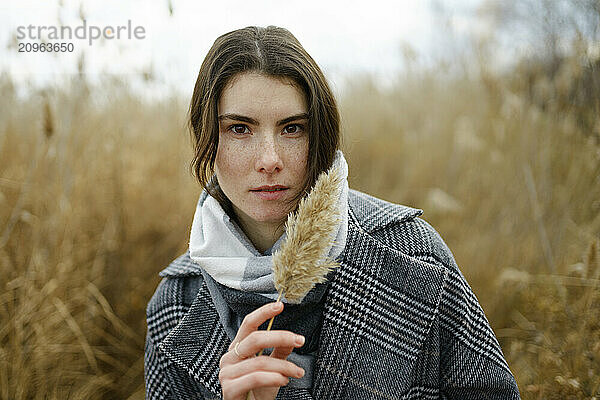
point(263, 146)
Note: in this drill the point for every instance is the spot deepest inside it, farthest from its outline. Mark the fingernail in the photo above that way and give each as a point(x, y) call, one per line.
point(276, 306)
point(299, 339)
point(300, 372)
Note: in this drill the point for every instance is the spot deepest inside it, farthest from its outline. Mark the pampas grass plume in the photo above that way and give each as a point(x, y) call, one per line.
point(301, 261)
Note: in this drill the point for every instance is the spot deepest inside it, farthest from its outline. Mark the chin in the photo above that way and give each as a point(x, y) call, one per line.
point(268, 216)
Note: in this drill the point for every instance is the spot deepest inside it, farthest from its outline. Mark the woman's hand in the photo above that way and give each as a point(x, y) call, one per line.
point(263, 375)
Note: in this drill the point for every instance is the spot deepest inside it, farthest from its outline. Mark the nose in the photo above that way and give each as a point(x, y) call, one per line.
point(268, 159)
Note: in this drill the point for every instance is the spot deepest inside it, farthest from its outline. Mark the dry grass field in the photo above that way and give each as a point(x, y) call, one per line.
point(96, 198)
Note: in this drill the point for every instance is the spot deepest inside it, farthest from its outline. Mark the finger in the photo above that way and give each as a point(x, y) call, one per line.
point(262, 363)
point(242, 385)
point(255, 319)
point(258, 340)
point(232, 356)
point(281, 352)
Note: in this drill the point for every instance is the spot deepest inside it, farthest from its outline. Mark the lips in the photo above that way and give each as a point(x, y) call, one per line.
point(269, 188)
point(270, 192)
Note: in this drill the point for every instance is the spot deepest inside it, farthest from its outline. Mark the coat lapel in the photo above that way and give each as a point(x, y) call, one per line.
point(378, 311)
point(198, 341)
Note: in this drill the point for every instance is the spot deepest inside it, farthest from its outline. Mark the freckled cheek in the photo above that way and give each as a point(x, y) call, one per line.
point(231, 160)
point(299, 157)
point(298, 161)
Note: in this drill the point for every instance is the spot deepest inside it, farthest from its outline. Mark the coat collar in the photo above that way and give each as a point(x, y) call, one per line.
point(373, 213)
point(379, 299)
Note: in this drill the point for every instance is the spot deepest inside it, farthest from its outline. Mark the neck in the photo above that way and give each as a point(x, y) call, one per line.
point(263, 235)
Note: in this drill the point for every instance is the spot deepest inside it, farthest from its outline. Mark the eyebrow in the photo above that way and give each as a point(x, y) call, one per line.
point(238, 117)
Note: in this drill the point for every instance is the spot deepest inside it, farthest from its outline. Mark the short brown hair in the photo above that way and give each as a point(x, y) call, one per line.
point(271, 51)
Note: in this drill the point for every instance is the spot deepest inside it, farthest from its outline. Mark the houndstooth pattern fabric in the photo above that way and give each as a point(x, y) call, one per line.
point(400, 322)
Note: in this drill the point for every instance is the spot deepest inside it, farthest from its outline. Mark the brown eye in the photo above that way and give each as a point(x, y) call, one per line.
point(294, 128)
point(239, 129)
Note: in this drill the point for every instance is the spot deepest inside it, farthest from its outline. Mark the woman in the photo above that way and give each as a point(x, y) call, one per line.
point(397, 320)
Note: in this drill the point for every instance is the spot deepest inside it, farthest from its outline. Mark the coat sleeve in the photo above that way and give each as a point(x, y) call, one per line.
point(156, 383)
point(472, 365)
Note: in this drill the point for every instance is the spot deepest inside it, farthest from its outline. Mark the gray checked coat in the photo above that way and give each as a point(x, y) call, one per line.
point(400, 322)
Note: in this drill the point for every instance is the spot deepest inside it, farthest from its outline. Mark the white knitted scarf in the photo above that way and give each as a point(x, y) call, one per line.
point(220, 247)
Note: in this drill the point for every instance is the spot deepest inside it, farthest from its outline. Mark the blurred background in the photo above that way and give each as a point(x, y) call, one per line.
point(484, 113)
